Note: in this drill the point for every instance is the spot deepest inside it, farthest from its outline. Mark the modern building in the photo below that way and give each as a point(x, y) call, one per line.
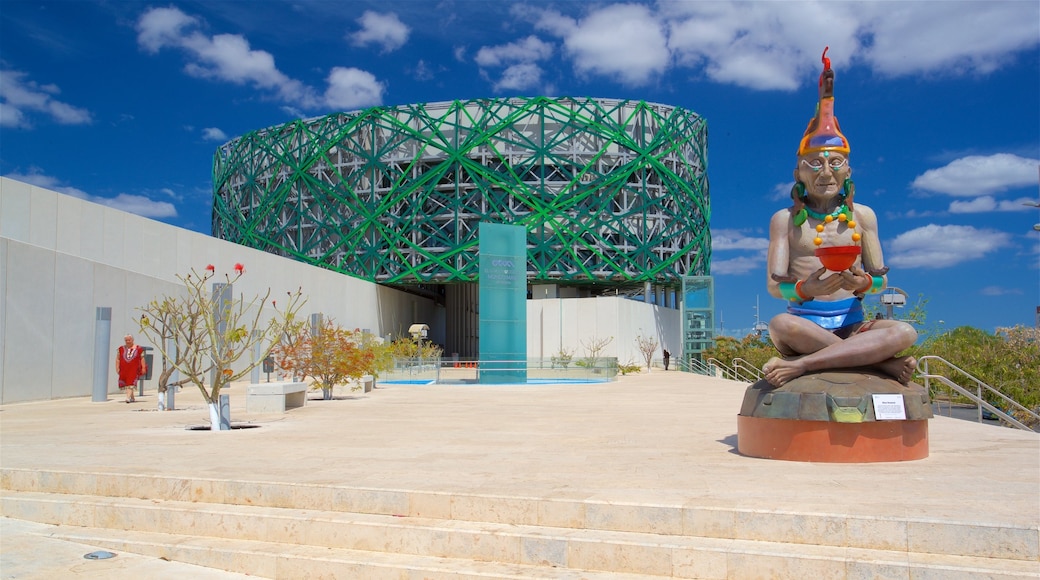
point(613, 195)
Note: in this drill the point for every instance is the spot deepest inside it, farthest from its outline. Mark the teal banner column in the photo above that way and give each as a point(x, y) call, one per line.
point(503, 303)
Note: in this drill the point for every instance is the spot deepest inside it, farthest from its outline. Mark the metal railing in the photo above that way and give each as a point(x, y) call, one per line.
point(746, 369)
point(693, 366)
point(718, 369)
point(976, 396)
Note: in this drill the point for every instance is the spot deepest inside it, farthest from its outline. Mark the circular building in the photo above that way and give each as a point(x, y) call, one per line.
point(613, 193)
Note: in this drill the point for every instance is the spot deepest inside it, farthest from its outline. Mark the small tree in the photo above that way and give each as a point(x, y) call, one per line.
point(648, 346)
point(334, 356)
point(289, 350)
point(212, 335)
point(167, 324)
point(562, 358)
point(593, 347)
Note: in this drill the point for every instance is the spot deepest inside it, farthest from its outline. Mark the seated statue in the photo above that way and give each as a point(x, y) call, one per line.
point(823, 327)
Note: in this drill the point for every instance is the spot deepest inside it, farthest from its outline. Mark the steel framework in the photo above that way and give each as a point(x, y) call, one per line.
point(612, 192)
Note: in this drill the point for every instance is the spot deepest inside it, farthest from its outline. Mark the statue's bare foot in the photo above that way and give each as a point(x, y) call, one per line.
point(779, 371)
point(901, 368)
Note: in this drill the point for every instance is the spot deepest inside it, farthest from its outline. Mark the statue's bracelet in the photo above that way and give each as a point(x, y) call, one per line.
point(789, 290)
point(876, 282)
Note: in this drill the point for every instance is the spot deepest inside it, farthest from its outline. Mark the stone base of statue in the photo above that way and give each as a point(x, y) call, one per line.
point(830, 417)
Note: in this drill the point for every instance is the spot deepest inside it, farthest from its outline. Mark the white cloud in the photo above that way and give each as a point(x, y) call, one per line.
point(214, 134)
point(229, 58)
point(741, 265)
point(727, 239)
point(520, 77)
point(987, 203)
point(782, 191)
point(998, 291)
point(225, 57)
point(136, 204)
point(622, 41)
point(980, 175)
point(351, 88)
point(777, 45)
point(761, 45)
point(422, 71)
point(935, 246)
point(386, 30)
point(162, 27)
point(530, 49)
point(20, 96)
point(947, 37)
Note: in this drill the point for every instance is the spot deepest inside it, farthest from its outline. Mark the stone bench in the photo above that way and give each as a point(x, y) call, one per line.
point(275, 397)
point(368, 383)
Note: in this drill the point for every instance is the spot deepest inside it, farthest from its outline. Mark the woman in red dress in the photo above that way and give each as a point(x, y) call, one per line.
point(130, 364)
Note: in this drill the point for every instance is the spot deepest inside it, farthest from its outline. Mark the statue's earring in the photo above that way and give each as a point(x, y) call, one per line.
point(848, 190)
point(799, 197)
point(798, 192)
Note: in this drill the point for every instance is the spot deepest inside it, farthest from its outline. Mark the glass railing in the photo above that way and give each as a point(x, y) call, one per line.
point(468, 371)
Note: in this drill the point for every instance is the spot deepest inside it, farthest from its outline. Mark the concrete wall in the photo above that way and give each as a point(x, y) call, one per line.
point(62, 257)
point(572, 323)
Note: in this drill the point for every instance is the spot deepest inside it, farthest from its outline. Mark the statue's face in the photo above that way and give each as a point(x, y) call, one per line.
point(823, 172)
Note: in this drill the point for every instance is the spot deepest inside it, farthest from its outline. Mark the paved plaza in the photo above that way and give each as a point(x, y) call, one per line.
point(648, 439)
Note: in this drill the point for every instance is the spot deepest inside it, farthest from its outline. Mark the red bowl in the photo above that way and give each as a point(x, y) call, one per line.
point(838, 258)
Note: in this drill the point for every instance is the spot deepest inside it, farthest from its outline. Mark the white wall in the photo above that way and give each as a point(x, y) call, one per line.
point(62, 257)
point(571, 323)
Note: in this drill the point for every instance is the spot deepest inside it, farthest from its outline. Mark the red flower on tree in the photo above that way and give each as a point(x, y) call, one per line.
point(239, 268)
point(210, 268)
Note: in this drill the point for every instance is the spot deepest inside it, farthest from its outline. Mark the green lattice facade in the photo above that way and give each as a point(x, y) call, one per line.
point(611, 192)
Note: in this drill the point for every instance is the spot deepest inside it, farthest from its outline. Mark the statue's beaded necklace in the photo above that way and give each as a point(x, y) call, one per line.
point(842, 214)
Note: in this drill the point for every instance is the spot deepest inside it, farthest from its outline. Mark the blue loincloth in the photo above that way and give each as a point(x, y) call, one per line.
point(829, 315)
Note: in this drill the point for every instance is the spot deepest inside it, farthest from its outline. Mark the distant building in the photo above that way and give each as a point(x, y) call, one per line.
point(613, 194)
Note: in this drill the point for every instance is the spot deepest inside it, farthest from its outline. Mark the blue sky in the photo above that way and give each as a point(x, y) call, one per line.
point(124, 104)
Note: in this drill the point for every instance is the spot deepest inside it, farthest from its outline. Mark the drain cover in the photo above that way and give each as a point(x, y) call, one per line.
point(99, 555)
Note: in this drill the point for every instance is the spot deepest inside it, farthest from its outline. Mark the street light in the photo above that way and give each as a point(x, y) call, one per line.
point(893, 296)
point(419, 331)
point(760, 326)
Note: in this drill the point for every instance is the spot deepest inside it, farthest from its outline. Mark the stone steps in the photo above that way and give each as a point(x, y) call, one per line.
point(281, 560)
point(270, 541)
point(837, 530)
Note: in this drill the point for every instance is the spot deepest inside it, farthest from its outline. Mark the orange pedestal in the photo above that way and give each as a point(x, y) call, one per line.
point(830, 442)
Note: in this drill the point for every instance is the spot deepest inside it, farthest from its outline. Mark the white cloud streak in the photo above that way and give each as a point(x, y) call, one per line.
point(777, 45)
point(528, 50)
point(935, 247)
point(725, 239)
point(980, 175)
point(229, 58)
point(385, 30)
point(520, 77)
point(21, 97)
point(735, 266)
point(214, 134)
point(135, 204)
point(987, 203)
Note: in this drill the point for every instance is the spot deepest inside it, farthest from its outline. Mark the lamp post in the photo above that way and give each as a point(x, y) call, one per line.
point(760, 326)
point(419, 331)
point(893, 296)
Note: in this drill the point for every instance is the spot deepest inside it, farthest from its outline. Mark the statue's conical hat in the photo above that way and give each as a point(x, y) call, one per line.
point(823, 133)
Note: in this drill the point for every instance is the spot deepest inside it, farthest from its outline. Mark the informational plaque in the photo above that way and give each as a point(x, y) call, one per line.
point(889, 407)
